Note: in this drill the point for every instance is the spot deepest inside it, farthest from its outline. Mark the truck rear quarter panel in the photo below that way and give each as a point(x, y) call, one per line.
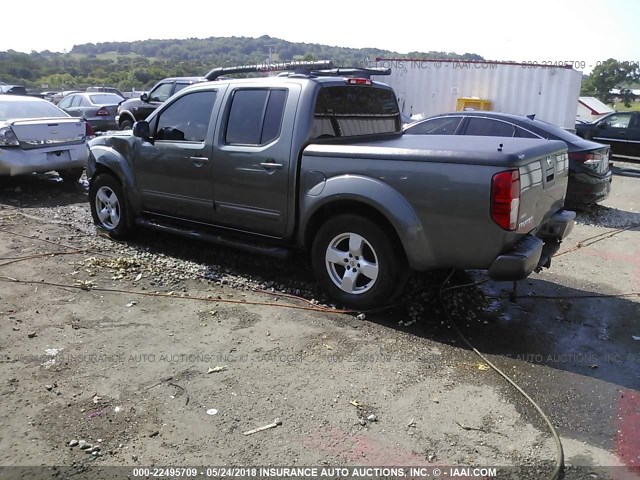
point(443, 206)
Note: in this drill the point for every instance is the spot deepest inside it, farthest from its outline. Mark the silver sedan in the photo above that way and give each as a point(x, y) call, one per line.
point(36, 136)
point(97, 108)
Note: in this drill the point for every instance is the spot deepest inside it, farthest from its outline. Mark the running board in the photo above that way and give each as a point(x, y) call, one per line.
point(260, 249)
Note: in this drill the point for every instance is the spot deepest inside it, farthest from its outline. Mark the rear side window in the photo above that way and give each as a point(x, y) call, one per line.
point(489, 128)
point(180, 86)
point(255, 117)
point(437, 126)
point(352, 110)
point(65, 102)
point(522, 133)
point(186, 119)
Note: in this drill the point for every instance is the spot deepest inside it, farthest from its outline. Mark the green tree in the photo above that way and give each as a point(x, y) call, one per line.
point(612, 74)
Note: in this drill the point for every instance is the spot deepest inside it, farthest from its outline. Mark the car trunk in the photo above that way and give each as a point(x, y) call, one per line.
point(48, 132)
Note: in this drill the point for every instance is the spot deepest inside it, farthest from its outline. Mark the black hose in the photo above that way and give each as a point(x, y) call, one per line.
point(559, 468)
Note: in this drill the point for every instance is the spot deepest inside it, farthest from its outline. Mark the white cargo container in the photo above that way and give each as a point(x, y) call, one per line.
point(430, 87)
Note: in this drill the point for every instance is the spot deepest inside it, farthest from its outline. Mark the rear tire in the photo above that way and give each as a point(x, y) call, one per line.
point(109, 207)
point(357, 263)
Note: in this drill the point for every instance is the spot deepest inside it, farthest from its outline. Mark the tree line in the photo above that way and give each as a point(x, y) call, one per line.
point(138, 65)
point(612, 74)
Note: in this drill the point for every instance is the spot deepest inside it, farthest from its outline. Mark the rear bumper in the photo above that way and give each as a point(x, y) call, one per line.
point(585, 189)
point(533, 252)
point(15, 161)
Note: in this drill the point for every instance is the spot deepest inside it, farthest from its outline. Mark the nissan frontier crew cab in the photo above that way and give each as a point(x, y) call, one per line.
point(316, 161)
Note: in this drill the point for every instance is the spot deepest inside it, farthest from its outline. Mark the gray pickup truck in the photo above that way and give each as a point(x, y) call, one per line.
point(316, 161)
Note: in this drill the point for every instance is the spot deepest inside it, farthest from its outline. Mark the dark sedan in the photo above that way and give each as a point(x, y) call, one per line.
point(589, 173)
point(621, 130)
point(97, 108)
point(13, 89)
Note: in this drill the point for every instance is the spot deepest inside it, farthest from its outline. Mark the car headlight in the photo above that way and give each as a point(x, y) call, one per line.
point(8, 138)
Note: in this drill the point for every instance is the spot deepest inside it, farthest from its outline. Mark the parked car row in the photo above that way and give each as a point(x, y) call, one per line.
point(104, 108)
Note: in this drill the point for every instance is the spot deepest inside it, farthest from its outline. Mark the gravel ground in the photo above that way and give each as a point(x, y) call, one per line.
point(160, 351)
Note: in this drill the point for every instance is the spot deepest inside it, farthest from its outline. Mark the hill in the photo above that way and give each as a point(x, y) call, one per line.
point(128, 65)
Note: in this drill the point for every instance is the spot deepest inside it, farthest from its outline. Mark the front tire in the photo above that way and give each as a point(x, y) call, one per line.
point(356, 262)
point(126, 124)
point(109, 207)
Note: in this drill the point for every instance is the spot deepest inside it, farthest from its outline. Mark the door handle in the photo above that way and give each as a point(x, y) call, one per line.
point(199, 161)
point(271, 165)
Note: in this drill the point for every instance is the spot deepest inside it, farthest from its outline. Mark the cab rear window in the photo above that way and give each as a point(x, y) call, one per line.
point(354, 110)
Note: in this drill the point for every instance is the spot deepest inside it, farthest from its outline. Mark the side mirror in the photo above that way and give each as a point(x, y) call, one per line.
point(602, 124)
point(144, 97)
point(141, 129)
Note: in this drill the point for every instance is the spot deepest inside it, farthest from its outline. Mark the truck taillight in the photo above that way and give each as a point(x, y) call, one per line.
point(88, 130)
point(358, 81)
point(102, 111)
point(505, 199)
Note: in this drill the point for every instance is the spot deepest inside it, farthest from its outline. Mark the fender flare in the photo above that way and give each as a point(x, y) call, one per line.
point(377, 195)
point(127, 114)
point(110, 159)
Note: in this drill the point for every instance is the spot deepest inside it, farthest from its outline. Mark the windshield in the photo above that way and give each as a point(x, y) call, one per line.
point(29, 109)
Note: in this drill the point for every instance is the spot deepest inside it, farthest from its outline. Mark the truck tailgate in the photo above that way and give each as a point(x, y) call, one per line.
point(543, 186)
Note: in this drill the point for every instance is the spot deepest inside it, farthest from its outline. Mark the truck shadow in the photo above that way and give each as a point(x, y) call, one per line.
point(41, 190)
point(570, 329)
point(561, 327)
point(549, 324)
point(234, 267)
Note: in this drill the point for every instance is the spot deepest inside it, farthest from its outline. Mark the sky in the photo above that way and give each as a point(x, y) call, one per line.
point(584, 31)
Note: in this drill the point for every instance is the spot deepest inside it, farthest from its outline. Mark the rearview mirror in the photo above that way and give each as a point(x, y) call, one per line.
point(141, 129)
point(144, 97)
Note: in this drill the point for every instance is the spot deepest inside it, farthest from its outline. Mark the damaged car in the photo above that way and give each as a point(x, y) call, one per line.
point(38, 137)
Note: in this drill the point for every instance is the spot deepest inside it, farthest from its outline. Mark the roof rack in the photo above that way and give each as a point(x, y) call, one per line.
point(269, 67)
point(307, 68)
point(341, 72)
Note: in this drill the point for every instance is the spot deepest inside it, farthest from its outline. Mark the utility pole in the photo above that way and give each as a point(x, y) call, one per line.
point(270, 47)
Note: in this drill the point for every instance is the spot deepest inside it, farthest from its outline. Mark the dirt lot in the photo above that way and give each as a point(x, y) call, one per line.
point(163, 352)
